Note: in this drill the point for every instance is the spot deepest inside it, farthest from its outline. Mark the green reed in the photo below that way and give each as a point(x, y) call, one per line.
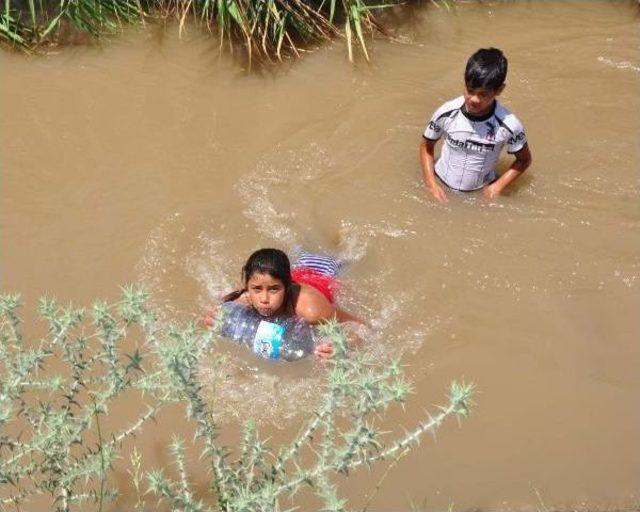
point(60, 435)
point(266, 29)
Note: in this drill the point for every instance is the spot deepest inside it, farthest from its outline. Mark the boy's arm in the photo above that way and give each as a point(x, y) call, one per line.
point(428, 173)
point(521, 163)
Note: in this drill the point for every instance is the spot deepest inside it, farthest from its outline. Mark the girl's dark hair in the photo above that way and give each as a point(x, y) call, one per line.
point(267, 261)
point(486, 69)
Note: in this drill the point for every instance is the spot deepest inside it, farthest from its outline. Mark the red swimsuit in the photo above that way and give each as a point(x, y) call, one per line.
point(327, 285)
point(317, 271)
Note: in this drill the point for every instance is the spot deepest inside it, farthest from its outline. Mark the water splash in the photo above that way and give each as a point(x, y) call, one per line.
point(268, 193)
point(623, 64)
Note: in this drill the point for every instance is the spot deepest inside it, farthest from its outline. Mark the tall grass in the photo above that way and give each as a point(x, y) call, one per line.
point(266, 29)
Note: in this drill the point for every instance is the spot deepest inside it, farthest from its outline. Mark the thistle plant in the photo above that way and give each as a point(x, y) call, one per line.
point(266, 29)
point(55, 393)
point(343, 434)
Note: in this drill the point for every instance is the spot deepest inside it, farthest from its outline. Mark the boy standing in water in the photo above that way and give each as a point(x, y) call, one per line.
point(475, 127)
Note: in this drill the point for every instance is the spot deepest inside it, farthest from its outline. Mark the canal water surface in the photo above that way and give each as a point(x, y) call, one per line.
point(153, 160)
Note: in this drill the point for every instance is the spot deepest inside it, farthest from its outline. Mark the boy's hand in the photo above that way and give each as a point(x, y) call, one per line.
point(491, 191)
point(438, 193)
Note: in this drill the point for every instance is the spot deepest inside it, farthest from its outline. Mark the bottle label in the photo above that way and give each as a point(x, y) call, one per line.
point(268, 340)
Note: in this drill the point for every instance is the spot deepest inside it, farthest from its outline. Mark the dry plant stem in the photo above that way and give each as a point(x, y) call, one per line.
point(102, 460)
point(386, 473)
point(183, 18)
point(305, 435)
point(136, 475)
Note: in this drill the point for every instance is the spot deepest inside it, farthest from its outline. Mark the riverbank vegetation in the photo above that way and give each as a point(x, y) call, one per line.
point(70, 402)
point(265, 30)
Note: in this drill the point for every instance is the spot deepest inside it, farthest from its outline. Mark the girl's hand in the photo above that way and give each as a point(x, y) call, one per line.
point(209, 318)
point(324, 350)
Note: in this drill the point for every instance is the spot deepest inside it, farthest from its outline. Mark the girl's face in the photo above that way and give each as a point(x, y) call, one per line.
point(266, 293)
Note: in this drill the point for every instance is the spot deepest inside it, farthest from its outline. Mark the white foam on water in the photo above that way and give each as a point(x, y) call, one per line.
point(268, 193)
point(352, 246)
point(239, 386)
point(623, 64)
point(160, 257)
point(208, 266)
point(244, 388)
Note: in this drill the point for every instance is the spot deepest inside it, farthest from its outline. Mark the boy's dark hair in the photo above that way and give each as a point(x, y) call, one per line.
point(486, 69)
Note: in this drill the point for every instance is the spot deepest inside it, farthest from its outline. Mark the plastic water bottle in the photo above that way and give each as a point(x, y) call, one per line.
point(283, 337)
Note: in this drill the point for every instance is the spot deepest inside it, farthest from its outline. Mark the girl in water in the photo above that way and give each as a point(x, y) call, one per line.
point(272, 289)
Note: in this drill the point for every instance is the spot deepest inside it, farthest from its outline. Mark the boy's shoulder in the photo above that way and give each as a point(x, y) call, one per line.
point(449, 108)
point(501, 113)
point(507, 118)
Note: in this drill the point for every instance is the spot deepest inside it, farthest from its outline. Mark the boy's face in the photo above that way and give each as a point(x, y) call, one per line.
point(478, 102)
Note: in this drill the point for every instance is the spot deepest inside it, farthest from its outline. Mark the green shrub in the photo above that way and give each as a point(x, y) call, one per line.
point(55, 393)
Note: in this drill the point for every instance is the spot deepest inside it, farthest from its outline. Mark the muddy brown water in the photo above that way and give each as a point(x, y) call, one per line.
point(152, 160)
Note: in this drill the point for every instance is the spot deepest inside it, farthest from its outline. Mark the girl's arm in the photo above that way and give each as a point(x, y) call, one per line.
point(345, 316)
point(313, 307)
point(209, 317)
point(325, 350)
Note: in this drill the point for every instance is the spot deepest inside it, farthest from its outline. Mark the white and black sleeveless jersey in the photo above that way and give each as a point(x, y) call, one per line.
point(472, 145)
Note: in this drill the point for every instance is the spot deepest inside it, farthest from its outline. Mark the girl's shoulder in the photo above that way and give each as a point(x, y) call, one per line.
point(313, 306)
